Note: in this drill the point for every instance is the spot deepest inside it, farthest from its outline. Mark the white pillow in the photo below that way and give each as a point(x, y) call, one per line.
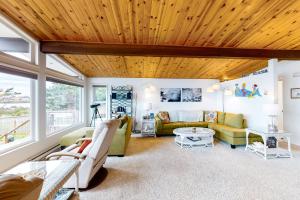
point(201, 115)
point(173, 116)
point(190, 116)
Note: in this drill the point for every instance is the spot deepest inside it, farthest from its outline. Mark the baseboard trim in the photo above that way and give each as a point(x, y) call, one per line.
point(42, 155)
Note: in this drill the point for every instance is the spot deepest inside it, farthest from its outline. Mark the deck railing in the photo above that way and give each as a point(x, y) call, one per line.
point(13, 131)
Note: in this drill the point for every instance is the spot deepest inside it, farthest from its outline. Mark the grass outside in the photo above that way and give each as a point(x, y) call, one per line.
point(17, 136)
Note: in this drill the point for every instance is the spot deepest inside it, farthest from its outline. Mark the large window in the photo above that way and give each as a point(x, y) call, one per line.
point(13, 44)
point(53, 62)
point(100, 97)
point(63, 106)
point(16, 95)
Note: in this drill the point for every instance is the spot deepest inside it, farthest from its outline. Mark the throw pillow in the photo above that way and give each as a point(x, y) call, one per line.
point(84, 145)
point(234, 120)
point(173, 116)
point(190, 116)
point(211, 116)
point(164, 117)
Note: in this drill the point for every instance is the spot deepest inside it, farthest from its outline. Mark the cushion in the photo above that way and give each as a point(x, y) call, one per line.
point(221, 117)
point(234, 120)
point(196, 124)
point(211, 116)
point(233, 132)
point(123, 119)
point(84, 145)
point(190, 116)
point(173, 125)
point(173, 116)
point(164, 116)
point(17, 187)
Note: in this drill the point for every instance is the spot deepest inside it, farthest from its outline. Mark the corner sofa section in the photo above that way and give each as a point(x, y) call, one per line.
point(228, 127)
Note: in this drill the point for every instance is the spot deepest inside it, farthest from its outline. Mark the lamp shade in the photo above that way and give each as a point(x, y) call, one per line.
point(271, 109)
point(209, 90)
point(216, 86)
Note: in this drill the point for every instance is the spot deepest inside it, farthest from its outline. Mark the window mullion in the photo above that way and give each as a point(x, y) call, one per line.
point(41, 99)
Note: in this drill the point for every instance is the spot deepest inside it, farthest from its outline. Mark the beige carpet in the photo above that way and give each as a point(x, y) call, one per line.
point(155, 168)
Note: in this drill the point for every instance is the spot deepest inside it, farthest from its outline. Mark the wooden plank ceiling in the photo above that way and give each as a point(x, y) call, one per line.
point(166, 67)
point(265, 24)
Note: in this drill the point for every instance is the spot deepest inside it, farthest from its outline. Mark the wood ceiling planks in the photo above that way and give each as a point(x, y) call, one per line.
point(163, 67)
point(263, 24)
point(221, 23)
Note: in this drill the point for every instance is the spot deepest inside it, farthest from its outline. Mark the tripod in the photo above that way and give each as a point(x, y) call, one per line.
point(96, 115)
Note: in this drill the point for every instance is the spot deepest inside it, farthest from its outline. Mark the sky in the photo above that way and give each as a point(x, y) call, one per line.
point(20, 84)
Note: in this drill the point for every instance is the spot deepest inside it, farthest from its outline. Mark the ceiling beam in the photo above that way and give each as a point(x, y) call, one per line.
point(62, 47)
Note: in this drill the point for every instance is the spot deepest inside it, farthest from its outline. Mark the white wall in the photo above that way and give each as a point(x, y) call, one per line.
point(251, 108)
point(209, 100)
point(291, 107)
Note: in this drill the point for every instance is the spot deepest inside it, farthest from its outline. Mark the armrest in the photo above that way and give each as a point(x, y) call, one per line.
point(158, 123)
point(60, 154)
point(82, 139)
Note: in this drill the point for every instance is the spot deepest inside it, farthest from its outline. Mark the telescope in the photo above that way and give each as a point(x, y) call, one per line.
point(96, 113)
point(94, 105)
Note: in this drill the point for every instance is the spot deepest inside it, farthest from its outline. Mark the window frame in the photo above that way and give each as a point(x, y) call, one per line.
point(81, 119)
point(33, 42)
point(94, 86)
point(33, 114)
point(68, 66)
point(39, 140)
point(66, 79)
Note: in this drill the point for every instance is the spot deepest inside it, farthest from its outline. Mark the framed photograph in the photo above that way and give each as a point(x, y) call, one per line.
point(191, 94)
point(170, 94)
point(295, 93)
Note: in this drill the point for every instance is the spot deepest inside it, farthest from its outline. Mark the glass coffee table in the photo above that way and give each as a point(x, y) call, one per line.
point(194, 136)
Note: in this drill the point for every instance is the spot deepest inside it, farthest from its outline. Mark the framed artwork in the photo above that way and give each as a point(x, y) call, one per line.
point(191, 94)
point(170, 94)
point(244, 92)
point(295, 93)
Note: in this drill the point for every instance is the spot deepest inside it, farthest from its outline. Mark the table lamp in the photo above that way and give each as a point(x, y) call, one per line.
point(272, 111)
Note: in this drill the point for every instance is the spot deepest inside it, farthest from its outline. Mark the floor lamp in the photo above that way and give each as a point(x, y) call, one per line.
point(224, 92)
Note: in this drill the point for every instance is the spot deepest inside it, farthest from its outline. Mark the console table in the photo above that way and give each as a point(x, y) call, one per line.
point(266, 152)
point(55, 173)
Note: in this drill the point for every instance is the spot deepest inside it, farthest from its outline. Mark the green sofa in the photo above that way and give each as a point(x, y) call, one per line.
point(72, 137)
point(119, 143)
point(228, 127)
point(164, 129)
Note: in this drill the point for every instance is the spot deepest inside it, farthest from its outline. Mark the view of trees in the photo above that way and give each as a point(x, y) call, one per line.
point(100, 94)
point(10, 96)
point(61, 96)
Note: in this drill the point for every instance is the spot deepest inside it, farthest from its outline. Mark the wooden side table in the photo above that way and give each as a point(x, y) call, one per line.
point(270, 152)
point(148, 127)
